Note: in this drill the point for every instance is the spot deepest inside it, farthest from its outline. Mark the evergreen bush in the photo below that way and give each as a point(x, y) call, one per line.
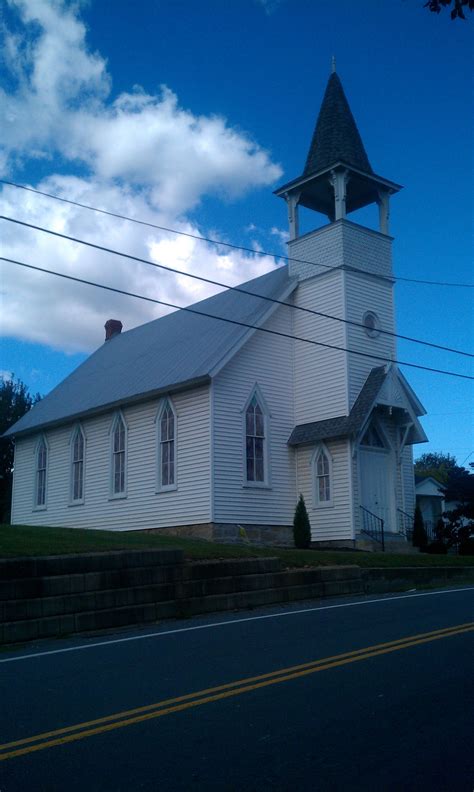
point(301, 526)
point(467, 547)
point(437, 548)
point(420, 537)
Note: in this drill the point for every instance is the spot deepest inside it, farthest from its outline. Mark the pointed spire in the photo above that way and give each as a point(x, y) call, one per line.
point(336, 137)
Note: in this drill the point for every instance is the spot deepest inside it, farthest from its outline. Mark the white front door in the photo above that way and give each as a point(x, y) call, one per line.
point(377, 485)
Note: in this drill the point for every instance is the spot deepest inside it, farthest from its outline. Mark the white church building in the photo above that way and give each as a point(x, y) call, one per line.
point(211, 421)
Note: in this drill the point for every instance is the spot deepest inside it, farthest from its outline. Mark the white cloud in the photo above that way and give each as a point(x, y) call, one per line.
point(71, 316)
point(59, 105)
point(283, 237)
point(146, 156)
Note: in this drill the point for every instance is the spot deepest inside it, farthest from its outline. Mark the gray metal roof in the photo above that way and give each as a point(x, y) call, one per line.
point(344, 425)
point(168, 353)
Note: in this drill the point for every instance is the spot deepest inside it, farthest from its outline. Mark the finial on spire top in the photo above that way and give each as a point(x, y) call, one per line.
point(333, 64)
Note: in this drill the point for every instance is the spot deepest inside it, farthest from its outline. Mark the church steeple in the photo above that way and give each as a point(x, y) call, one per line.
point(336, 137)
point(337, 177)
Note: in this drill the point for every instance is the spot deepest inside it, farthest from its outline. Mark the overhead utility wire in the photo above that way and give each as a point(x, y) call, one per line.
point(226, 286)
point(218, 242)
point(189, 309)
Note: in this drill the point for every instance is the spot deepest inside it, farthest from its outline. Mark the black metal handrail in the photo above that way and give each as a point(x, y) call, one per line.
point(373, 526)
point(405, 524)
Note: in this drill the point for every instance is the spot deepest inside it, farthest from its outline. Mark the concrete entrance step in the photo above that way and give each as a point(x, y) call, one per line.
point(394, 543)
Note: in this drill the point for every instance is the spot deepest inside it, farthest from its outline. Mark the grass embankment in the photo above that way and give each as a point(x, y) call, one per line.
point(21, 540)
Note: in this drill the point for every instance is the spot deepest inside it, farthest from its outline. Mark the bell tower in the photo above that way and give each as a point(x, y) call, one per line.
point(337, 178)
point(344, 269)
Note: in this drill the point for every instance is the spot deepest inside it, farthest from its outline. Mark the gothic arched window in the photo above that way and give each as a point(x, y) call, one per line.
point(256, 462)
point(77, 465)
point(41, 473)
point(166, 446)
point(322, 477)
point(119, 456)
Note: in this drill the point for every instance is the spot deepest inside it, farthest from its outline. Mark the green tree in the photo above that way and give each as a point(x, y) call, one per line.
point(301, 526)
point(437, 465)
point(15, 401)
point(458, 9)
point(458, 483)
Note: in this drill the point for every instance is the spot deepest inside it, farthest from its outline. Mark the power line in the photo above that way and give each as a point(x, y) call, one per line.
point(226, 286)
point(218, 242)
point(189, 309)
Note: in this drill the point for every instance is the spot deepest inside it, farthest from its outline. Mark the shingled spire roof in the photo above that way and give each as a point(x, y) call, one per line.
point(336, 137)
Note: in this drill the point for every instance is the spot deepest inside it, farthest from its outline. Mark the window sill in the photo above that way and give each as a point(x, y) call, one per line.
point(118, 496)
point(170, 488)
point(76, 503)
point(39, 508)
point(329, 505)
point(256, 485)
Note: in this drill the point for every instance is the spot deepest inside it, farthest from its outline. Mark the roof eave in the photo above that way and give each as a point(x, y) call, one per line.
point(302, 180)
point(104, 408)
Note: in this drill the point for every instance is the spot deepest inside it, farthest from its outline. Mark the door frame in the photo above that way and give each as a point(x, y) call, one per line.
point(389, 453)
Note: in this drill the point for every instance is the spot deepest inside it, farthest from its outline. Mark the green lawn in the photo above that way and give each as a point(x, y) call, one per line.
point(21, 540)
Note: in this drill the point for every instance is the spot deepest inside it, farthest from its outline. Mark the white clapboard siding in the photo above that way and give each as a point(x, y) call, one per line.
point(143, 507)
point(356, 496)
point(312, 253)
point(332, 522)
point(408, 473)
point(320, 373)
point(265, 360)
point(367, 294)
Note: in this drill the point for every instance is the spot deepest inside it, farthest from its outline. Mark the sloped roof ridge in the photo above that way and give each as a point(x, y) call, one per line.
point(180, 347)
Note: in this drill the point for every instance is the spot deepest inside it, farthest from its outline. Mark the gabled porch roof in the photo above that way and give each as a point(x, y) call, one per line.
point(385, 386)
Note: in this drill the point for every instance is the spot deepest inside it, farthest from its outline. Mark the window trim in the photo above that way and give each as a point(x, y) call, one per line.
point(41, 506)
point(248, 483)
point(118, 495)
point(77, 501)
point(159, 487)
point(317, 504)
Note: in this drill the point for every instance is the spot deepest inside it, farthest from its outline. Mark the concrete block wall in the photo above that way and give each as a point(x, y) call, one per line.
point(58, 596)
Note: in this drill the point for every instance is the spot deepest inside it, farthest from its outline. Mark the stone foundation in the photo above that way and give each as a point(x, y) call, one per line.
point(233, 533)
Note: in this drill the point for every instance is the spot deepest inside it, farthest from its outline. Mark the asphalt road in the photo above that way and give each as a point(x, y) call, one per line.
point(349, 694)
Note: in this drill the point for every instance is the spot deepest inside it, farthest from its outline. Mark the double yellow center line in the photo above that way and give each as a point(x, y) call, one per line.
point(80, 731)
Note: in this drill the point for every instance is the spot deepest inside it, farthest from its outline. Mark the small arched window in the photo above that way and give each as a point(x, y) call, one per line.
point(119, 455)
point(322, 476)
point(166, 447)
point(255, 441)
point(41, 473)
point(77, 465)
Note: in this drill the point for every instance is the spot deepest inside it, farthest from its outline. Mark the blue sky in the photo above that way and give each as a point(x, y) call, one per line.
point(190, 114)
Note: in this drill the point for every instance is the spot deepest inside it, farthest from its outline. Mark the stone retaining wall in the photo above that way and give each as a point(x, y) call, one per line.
point(61, 595)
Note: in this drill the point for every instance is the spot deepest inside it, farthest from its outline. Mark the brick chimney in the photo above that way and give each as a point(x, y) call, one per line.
point(112, 328)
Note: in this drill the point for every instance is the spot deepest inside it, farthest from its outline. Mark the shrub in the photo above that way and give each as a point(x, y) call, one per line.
point(466, 548)
point(301, 526)
point(419, 538)
point(437, 548)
